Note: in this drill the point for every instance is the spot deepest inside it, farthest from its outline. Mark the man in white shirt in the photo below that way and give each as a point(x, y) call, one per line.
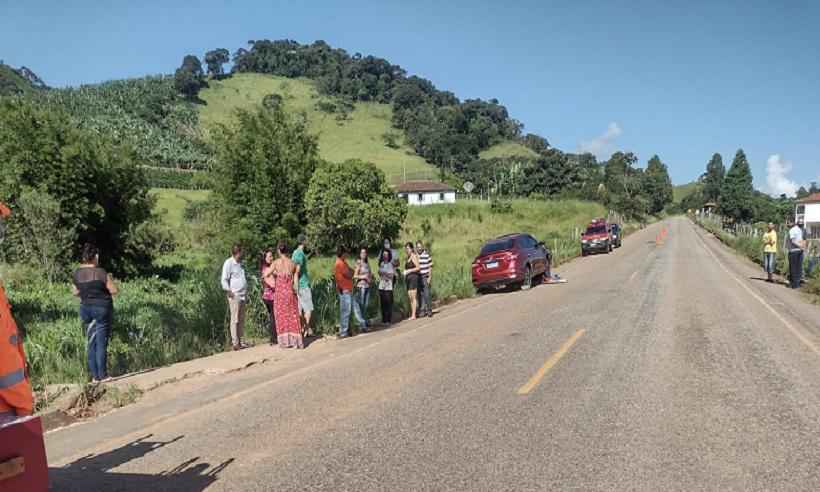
point(236, 288)
point(796, 246)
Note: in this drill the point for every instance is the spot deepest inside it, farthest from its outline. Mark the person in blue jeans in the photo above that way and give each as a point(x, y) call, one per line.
point(96, 290)
point(343, 276)
point(363, 277)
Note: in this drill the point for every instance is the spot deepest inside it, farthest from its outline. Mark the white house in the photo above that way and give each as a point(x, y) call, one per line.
point(808, 212)
point(426, 192)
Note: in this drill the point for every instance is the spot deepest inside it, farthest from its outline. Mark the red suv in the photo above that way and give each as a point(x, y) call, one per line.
point(511, 260)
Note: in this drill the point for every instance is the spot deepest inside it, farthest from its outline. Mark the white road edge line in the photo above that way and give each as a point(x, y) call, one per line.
point(808, 343)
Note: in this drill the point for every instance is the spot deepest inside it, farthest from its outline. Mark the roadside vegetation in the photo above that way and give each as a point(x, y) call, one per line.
point(164, 173)
point(748, 241)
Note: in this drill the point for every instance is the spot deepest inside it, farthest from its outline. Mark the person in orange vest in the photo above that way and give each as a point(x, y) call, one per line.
point(16, 399)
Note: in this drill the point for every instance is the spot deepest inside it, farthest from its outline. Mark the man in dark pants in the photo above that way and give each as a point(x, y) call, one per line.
point(796, 246)
point(426, 274)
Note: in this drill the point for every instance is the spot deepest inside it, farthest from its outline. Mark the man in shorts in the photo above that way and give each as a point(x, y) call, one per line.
point(305, 297)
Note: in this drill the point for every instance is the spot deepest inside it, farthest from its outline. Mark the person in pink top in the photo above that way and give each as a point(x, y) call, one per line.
point(266, 274)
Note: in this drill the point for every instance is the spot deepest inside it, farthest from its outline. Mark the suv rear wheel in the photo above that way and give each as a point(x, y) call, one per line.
point(527, 278)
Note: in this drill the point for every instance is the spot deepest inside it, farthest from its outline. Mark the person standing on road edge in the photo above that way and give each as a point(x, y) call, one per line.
point(796, 246)
point(268, 286)
point(16, 397)
point(387, 273)
point(411, 279)
point(303, 293)
point(96, 290)
point(363, 276)
point(235, 286)
point(286, 301)
point(343, 276)
point(426, 274)
point(769, 252)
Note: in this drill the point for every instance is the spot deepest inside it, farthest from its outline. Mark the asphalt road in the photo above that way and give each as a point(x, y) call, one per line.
point(658, 367)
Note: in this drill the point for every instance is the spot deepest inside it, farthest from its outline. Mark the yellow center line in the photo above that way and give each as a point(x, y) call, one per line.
point(536, 378)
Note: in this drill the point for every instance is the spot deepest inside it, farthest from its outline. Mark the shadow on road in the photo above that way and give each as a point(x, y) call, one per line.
point(94, 472)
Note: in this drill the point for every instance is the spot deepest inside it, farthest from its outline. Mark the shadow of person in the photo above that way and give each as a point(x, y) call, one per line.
point(94, 472)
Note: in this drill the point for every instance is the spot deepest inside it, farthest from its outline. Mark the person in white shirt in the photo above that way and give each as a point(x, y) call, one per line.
point(796, 246)
point(236, 288)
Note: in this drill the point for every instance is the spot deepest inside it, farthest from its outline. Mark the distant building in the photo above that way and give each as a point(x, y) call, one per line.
point(709, 208)
point(426, 192)
point(807, 211)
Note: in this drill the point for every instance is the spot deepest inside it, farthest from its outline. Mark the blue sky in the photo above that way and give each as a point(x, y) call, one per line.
point(681, 81)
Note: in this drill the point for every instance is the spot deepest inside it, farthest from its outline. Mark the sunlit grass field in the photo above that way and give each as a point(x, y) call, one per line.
point(358, 136)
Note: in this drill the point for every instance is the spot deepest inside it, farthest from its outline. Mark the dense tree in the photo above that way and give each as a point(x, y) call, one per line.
point(536, 143)
point(189, 78)
point(214, 59)
point(262, 168)
point(713, 179)
point(737, 191)
point(552, 174)
point(657, 186)
point(351, 204)
point(91, 189)
point(802, 192)
point(814, 188)
point(624, 185)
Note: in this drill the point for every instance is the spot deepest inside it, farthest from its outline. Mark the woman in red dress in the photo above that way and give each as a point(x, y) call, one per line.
point(285, 302)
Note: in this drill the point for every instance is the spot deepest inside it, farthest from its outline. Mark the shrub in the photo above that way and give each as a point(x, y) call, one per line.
point(350, 204)
point(499, 206)
point(260, 175)
point(99, 188)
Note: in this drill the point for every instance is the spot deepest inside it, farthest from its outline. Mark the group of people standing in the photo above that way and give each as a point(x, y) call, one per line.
point(354, 284)
point(796, 246)
point(287, 294)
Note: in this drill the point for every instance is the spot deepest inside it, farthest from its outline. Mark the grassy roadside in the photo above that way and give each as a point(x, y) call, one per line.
point(752, 246)
point(181, 315)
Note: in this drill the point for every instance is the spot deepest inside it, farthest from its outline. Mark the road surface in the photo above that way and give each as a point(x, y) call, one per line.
point(658, 367)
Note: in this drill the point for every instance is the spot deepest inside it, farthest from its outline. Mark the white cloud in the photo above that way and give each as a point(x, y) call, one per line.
point(777, 180)
point(602, 143)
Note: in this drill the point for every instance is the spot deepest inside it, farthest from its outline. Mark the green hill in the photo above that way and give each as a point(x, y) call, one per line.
point(344, 131)
point(507, 149)
point(682, 191)
point(12, 82)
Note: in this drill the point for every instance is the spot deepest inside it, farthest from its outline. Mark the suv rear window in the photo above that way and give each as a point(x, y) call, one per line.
point(496, 246)
point(596, 229)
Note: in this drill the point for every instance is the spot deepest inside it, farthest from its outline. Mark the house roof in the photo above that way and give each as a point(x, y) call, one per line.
point(813, 198)
point(422, 186)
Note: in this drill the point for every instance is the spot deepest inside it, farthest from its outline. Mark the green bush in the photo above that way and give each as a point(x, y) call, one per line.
point(261, 172)
point(101, 191)
point(350, 204)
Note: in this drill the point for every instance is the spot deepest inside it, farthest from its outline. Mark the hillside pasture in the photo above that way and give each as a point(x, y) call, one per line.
point(344, 131)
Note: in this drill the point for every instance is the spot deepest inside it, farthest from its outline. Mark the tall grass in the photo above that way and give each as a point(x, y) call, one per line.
point(182, 314)
point(749, 242)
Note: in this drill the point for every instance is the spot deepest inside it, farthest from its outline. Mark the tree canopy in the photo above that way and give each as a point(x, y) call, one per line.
point(657, 185)
point(214, 60)
point(91, 189)
point(713, 179)
point(350, 204)
point(263, 165)
point(189, 77)
point(737, 191)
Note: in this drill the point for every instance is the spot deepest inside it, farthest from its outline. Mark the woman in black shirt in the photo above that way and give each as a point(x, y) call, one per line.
point(96, 289)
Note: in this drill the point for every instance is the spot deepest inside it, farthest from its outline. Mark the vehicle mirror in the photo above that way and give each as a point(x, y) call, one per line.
point(541, 243)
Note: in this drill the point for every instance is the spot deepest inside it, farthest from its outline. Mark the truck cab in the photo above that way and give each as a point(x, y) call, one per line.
point(596, 238)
